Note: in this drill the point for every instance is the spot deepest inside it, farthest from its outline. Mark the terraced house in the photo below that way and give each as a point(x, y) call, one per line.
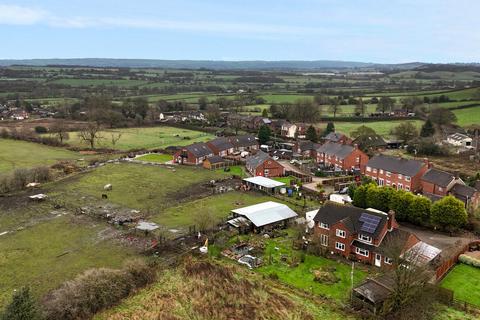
point(341, 156)
point(398, 173)
point(360, 234)
point(261, 164)
point(244, 143)
point(221, 146)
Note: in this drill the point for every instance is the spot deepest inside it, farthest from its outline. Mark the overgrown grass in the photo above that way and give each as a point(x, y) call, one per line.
point(46, 254)
point(464, 280)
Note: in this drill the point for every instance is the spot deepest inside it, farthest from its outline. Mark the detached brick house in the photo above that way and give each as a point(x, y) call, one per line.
point(341, 156)
point(261, 164)
point(398, 173)
point(360, 234)
point(306, 148)
point(289, 130)
point(437, 184)
point(193, 154)
point(221, 146)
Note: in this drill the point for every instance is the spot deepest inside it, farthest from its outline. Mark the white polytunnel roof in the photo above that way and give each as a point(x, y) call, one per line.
point(266, 213)
point(264, 182)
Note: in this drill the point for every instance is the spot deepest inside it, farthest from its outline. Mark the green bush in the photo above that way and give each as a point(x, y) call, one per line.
point(40, 129)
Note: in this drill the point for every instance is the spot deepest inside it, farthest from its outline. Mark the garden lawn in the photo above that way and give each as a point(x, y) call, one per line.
point(464, 280)
point(49, 253)
point(156, 157)
point(146, 138)
point(234, 171)
point(21, 154)
point(140, 186)
point(302, 276)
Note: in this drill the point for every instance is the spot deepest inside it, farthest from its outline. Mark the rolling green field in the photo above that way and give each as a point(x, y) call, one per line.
point(464, 280)
point(100, 82)
point(20, 154)
point(468, 117)
point(287, 98)
point(146, 138)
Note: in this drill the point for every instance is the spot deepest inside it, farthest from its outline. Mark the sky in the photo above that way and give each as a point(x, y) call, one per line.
point(382, 31)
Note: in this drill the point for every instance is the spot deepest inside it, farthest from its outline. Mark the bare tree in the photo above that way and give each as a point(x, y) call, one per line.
point(91, 134)
point(204, 219)
point(60, 130)
point(114, 137)
point(335, 107)
point(411, 275)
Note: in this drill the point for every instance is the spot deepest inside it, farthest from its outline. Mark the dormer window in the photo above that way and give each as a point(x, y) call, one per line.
point(389, 174)
point(364, 238)
point(324, 226)
point(341, 233)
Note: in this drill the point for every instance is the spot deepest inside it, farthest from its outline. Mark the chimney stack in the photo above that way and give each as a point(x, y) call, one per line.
point(456, 173)
point(391, 222)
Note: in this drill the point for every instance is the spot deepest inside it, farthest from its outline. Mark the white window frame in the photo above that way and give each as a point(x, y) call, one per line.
point(324, 240)
point(407, 188)
point(387, 260)
point(407, 178)
point(400, 186)
point(362, 252)
point(324, 226)
point(389, 174)
point(341, 233)
point(381, 171)
point(364, 238)
point(374, 170)
point(340, 246)
point(369, 169)
point(381, 182)
point(400, 176)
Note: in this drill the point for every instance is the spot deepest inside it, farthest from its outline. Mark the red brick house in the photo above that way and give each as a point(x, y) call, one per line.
point(360, 234)
point(398, 173)
point(306, 148)
point(221, 146)
point(244, 143)
point(341, 156)
point(261, 164)
point(193, 154)
point(437, 184)
point(337, 137)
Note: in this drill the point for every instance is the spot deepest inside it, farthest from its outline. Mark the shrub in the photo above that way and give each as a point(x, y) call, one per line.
point(95, 290)
point(22, 307)
point(463, 258)
point(40, 129)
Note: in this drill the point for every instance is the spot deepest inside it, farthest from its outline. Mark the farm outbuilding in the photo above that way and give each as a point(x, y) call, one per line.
point(214, 162)
point(263, 184)
point(266, 215)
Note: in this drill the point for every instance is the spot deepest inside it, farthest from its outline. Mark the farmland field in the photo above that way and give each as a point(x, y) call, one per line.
point(20, 154)
point(146, 138)
point(467, 117)
point(381, 127)
point(155, 157)
point(145, 187)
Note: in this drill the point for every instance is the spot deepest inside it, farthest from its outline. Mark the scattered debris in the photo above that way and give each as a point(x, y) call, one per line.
point(38, 197)
point(33, 184)
point(146, 226)
point(108, 187)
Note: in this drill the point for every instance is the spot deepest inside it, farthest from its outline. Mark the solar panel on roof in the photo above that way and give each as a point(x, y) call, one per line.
point(370, 222)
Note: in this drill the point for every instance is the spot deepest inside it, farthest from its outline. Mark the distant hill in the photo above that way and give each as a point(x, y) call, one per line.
point(207, 64)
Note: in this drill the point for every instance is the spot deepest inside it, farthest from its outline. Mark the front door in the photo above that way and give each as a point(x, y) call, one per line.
point(378, 260)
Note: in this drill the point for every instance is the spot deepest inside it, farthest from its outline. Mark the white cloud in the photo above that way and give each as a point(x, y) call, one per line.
point(17, 15)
